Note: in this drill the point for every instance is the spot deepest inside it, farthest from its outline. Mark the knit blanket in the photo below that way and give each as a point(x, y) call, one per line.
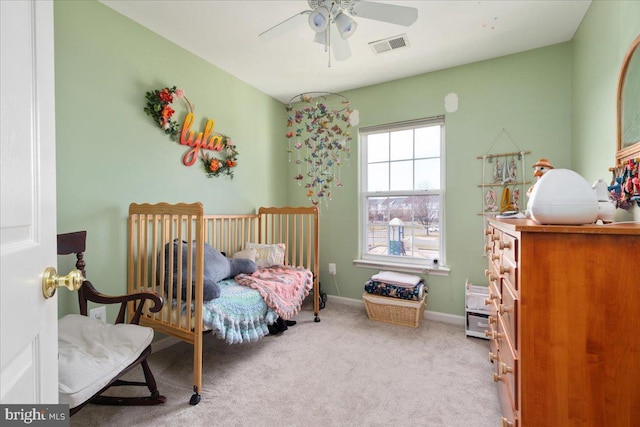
point(282, 287)
point(239, 315)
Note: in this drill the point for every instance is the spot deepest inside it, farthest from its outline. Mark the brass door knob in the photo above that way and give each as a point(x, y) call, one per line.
point(51, 281)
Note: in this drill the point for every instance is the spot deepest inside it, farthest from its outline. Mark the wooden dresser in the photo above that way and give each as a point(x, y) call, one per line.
point(565, 323)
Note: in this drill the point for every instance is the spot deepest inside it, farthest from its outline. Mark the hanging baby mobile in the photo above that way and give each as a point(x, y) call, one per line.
point(159, 107)
point(319, 140)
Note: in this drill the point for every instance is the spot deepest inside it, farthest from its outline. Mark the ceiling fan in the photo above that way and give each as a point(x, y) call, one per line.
point(323, 13)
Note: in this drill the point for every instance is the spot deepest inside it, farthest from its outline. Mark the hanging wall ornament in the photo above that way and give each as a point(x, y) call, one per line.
point(319, 141)
point(218, 154)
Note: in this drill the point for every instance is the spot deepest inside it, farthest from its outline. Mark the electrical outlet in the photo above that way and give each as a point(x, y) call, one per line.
point(99, 313)
point(332, 269)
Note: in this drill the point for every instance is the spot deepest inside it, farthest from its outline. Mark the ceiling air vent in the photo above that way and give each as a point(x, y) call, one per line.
point(391, 43)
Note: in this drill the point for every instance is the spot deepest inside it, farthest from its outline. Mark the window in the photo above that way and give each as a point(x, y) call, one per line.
point(401, 196)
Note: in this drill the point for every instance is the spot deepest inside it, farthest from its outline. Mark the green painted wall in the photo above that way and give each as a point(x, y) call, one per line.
point(528, 95)
point(110, 153)
point(557, 102)
point(599, 46)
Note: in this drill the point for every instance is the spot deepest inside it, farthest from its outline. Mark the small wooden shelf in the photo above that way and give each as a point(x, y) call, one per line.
point(498, 184)
point(515, 153)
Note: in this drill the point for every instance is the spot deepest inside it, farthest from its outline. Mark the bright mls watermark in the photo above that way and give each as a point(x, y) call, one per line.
point(36, 415)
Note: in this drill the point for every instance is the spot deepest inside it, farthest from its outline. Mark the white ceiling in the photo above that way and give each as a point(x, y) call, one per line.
point(446, 34)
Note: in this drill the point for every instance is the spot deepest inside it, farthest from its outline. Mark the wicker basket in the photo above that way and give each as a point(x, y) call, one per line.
point(394, 310)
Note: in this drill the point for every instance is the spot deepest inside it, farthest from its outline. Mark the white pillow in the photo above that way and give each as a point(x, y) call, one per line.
point(247, 254)
point(267, 255)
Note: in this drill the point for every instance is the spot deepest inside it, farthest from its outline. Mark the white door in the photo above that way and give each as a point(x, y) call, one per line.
point(28, 321)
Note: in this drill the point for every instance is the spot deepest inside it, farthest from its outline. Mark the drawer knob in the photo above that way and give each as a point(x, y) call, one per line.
point(495, 257)
point(505, 422)
point(492, 320)
point(494, 238)
point(505, 369)
point(487, 248)
point(497, 378)
point(503, 245)
point(493, 335)
point(490, 275)
point(505, 309)
point(492, 356)
point(502, 269)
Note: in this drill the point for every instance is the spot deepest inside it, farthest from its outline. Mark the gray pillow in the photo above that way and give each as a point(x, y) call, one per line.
point(241, 266)
point(217, 267)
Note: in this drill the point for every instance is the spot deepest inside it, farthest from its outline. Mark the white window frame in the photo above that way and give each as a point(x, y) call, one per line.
point(391, 262)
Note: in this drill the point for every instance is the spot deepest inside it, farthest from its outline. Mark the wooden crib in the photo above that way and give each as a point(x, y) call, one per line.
point(151, 226)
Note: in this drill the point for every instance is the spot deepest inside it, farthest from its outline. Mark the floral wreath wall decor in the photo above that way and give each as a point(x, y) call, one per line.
point(159, 107)
point(318, 129)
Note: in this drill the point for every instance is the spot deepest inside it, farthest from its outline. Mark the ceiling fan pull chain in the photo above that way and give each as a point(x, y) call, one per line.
point(327, 46)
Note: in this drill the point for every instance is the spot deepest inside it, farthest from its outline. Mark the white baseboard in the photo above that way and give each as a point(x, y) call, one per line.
point(436, 316)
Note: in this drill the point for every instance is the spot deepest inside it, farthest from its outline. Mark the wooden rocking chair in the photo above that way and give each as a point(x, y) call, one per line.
point(94, 355)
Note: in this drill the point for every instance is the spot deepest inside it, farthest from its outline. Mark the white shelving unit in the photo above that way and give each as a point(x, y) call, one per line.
point(476, 312)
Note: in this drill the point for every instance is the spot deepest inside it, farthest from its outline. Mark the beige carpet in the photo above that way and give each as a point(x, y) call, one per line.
point(346, 370)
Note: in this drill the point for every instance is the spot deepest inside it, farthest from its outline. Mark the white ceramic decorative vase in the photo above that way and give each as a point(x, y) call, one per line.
point(606, 209)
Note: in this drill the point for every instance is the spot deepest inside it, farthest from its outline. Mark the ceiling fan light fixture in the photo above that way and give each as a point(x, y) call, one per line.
point(346, 26)
point(319, 19)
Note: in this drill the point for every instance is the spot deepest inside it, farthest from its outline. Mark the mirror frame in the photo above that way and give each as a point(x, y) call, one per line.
point(623, 154)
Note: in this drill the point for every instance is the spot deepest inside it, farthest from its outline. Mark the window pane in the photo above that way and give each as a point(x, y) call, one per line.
point(402, 145)
point(428, 142)
point(378, 147)
point(378, 221)
point(378, 177)
point(428, 174)
point(425, 242)
point(401, 176)
point(404, 226)
point(426, 210)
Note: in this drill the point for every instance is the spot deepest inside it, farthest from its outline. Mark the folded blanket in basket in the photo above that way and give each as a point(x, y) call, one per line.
point(385, 289)
point(398, 279)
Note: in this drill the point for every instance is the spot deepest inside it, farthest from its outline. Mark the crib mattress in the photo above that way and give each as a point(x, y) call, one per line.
point(239, 315)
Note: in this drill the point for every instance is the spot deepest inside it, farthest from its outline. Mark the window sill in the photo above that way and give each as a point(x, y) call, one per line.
point(403, 268)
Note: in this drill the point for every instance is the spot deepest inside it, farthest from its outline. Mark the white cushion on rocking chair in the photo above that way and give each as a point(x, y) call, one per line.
point(91, 353)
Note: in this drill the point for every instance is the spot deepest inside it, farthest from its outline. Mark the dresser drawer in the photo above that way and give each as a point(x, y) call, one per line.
point(508, 312)
point(509, 270)
point(493, 300)
point(508, 245)
point(493, 236)
point(508, 365)
point(493, 343)
point(508, 408)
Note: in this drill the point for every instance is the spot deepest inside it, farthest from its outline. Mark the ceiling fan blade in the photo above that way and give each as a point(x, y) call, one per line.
point(392, 13)
point(340, 47)
point(320, 38)
point(284, 26)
